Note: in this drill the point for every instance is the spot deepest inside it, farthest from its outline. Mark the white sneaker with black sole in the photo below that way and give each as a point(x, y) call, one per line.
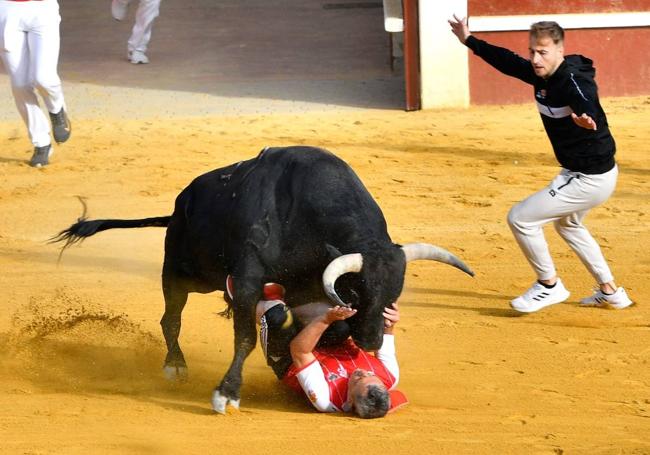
point(137, 57)
point(539, 296)
point(618, 300)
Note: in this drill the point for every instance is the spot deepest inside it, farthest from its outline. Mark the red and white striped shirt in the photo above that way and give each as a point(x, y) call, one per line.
point(325, 380)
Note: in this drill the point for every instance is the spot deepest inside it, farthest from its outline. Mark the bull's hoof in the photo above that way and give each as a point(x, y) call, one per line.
point(220, 402)
point(175, 373)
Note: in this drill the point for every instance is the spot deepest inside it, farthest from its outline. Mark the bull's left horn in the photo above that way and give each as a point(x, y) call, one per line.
point(415, 251)
point(340, 266)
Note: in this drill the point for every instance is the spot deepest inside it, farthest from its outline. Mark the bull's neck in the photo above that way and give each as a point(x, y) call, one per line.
point(365, 245)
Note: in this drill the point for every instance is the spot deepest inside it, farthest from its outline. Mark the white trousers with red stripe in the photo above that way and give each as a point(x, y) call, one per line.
point(29, 47)
point(565, 202)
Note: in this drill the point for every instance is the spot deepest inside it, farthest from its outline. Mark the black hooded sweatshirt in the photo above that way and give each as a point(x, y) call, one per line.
point(571, 88)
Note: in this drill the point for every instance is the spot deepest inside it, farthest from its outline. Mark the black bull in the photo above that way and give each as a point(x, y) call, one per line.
point(293, 215)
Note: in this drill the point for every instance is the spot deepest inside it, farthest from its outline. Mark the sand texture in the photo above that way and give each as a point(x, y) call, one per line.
point(80, 371)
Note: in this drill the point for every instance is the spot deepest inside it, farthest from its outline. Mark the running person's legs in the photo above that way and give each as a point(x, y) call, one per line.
point(576, 235)
point(15, 19)
point(44, 45)
point(119, 9)
point(29, 50)
point(565, 202)
point(148, 11)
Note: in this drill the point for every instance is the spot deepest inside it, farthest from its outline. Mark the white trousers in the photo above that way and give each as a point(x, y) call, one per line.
point(147, 11)
point(565, 202)
point(29, 46)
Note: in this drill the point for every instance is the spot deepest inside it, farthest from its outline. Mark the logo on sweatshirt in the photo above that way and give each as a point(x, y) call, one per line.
point(541, 93)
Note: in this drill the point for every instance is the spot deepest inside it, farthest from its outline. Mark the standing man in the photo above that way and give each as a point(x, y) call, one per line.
point(29, 47)
point(147, 11)
point(567, 100)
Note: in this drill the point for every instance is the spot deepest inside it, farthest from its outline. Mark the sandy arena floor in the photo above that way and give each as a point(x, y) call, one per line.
point(81, 368)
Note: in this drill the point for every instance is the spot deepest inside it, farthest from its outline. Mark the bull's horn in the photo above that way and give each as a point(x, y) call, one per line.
point(415, 251)
point(340, 266)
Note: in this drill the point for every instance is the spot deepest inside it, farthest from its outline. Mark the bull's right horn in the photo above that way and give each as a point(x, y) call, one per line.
point(414, 251)
point(341, 265)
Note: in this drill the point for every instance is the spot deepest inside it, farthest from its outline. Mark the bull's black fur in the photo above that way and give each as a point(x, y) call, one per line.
point(280, 217)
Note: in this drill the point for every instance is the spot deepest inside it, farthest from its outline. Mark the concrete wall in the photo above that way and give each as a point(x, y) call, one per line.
point(443, 60)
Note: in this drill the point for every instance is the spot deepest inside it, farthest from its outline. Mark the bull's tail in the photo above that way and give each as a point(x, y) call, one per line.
point(85, 228)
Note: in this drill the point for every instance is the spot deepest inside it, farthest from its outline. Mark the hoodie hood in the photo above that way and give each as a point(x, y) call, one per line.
point(579, 63)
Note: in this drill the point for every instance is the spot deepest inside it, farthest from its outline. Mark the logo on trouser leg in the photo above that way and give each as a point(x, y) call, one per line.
point(552, 193)
point(289, 321)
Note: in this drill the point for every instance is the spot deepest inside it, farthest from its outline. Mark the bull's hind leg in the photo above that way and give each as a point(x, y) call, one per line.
point(175, 294)
point(247, 293)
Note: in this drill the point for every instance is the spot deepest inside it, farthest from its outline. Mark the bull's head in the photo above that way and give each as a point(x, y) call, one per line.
point(379, 284)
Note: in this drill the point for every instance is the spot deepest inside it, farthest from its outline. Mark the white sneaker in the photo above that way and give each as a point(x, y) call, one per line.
point(538, 297)
point(137, 57)
point(618, 300)
point(119, 9)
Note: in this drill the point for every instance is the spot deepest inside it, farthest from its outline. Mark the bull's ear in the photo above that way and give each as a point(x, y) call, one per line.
point(332, 251)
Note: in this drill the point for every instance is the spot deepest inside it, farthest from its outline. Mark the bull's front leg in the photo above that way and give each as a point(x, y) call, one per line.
point(244, 301)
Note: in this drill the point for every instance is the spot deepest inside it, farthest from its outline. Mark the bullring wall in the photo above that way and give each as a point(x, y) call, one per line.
point(613, 33)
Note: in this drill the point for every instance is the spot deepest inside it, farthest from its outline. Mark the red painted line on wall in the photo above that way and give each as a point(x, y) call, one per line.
point(511, 7)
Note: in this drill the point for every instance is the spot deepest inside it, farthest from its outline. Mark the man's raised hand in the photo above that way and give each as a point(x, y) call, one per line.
point(460, 28)
point(339, 313)
point(391, 317)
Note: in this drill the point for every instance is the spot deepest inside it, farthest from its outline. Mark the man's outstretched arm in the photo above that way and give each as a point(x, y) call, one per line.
point(387, 354)
point(500, 58)
point(303, 344)
point(310, 374)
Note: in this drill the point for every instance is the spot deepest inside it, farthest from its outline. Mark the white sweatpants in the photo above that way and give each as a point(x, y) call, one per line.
point(148, 10)
point(29, 46)
point(565, 201)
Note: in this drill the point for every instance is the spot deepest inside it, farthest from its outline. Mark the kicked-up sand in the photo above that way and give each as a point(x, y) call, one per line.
point(81, 363)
